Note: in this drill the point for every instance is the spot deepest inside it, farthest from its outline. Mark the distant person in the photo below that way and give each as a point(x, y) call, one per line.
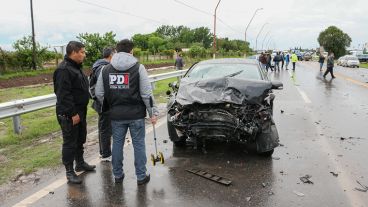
point(263, 60)
point(269, 59)
point(287, 60)
point(294, 59)
point(124, 89)
point(72, 97)
point(330, 65)
point(179, 62)
point(321, 61)
point(104, 122)
point(277, 60)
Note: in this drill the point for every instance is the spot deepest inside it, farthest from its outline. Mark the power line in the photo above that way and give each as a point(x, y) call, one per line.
point(199, 10)
point(118, 11)
point(207, 13)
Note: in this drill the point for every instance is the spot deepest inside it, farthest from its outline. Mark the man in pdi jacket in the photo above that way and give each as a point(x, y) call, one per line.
point(72, 96)
point(125, 88)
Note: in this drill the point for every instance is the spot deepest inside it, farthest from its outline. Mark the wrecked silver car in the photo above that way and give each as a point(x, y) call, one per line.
point(224, 99)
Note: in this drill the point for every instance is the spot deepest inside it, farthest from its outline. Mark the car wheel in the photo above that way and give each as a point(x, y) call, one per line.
point(266, 154)
point(180, 143)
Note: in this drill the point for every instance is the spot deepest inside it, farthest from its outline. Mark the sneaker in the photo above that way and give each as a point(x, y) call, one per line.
point(106, 159)
point(119, 180)
point(144, 181)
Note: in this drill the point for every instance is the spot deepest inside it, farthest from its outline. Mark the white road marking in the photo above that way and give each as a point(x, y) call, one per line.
point(61, 181)
point(301, 92)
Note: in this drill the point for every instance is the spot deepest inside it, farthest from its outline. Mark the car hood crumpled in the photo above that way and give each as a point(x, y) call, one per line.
point(222, 90)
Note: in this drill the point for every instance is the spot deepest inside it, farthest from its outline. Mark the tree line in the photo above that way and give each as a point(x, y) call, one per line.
point(166, 40)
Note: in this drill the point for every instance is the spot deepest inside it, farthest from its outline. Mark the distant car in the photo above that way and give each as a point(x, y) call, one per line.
point(363, 57)
point(340, 60)
point(228, 100)
point(307, 56)
point(351, 61)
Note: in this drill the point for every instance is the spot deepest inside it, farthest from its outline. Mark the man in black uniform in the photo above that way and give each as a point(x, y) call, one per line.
point(72, 96)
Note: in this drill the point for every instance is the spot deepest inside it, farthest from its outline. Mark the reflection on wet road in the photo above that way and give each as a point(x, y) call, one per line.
point(323, 129)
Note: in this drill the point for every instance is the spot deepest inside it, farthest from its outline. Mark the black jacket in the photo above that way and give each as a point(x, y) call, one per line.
point(71, 88)
point(96, 68)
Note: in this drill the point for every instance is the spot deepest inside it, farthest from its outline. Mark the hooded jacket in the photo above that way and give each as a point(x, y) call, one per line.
point(96, 68)
point(123, 62)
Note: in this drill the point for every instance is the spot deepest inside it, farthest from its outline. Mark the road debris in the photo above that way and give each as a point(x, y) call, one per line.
point(363, 189)
point(209, 176)
point(264, 185)
point(282, 111)
point(334, 174)
point(248, 199)
point(298, 193)
point(52, 192)
point(164, 141)
point(305, 179)
point(275, 158)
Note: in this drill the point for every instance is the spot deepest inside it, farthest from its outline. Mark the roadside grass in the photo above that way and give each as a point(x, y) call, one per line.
point(26, 153)
point(364, 65)
point(9, 94)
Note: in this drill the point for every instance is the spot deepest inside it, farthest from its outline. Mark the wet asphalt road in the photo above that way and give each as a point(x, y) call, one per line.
point(323, 129)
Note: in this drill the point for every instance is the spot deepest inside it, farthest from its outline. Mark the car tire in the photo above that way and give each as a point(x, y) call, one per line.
point(266, 154)
point(180, 143)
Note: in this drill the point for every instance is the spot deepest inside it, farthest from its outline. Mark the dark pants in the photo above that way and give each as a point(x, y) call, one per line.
point(329, 70)
point(73, 138)
point(282, 64)
point(294, 65)
point(104, 134)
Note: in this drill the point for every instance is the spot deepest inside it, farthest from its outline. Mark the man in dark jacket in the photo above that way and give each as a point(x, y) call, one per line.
point(179, 62)
point(72, 96)
point(125, 88)
point(330, 65)
point(104, 122)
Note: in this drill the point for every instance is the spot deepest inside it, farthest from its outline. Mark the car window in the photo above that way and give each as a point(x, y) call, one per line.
point(205, 71)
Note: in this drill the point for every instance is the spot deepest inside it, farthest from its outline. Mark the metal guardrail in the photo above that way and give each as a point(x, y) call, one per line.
point(16, 108)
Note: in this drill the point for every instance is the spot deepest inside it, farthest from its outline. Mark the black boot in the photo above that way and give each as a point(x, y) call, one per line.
point(83, 166)
point(71, 176)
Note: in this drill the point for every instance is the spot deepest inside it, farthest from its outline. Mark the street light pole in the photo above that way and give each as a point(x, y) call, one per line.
point(33, 40)
point(246, 29)
point(214, 31)
point(259, 34)
point(265, 38)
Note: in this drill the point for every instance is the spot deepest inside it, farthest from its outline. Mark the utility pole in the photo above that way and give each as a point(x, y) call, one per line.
point(246, 29)
point(33, 40)
point(214, 31)
point(265, 38)
point(259, 34)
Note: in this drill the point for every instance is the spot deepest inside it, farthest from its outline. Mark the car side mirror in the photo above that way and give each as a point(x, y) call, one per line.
point(277, 85)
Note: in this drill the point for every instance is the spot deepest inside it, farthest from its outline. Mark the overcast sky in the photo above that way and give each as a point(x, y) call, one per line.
point(290, 22)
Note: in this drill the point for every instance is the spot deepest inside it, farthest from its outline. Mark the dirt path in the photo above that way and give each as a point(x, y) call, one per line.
point(47, 78)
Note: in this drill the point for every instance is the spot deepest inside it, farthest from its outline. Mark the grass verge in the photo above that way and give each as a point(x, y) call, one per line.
point(364, 65)
point(26, 153)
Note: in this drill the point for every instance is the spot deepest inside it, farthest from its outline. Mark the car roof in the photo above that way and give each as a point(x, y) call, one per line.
point(229, 61)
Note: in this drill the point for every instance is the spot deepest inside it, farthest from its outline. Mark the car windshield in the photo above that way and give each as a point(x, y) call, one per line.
point(352, 58)
point(206, 71)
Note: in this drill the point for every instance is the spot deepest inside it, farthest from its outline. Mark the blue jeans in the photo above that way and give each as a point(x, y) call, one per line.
point(137, 132)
